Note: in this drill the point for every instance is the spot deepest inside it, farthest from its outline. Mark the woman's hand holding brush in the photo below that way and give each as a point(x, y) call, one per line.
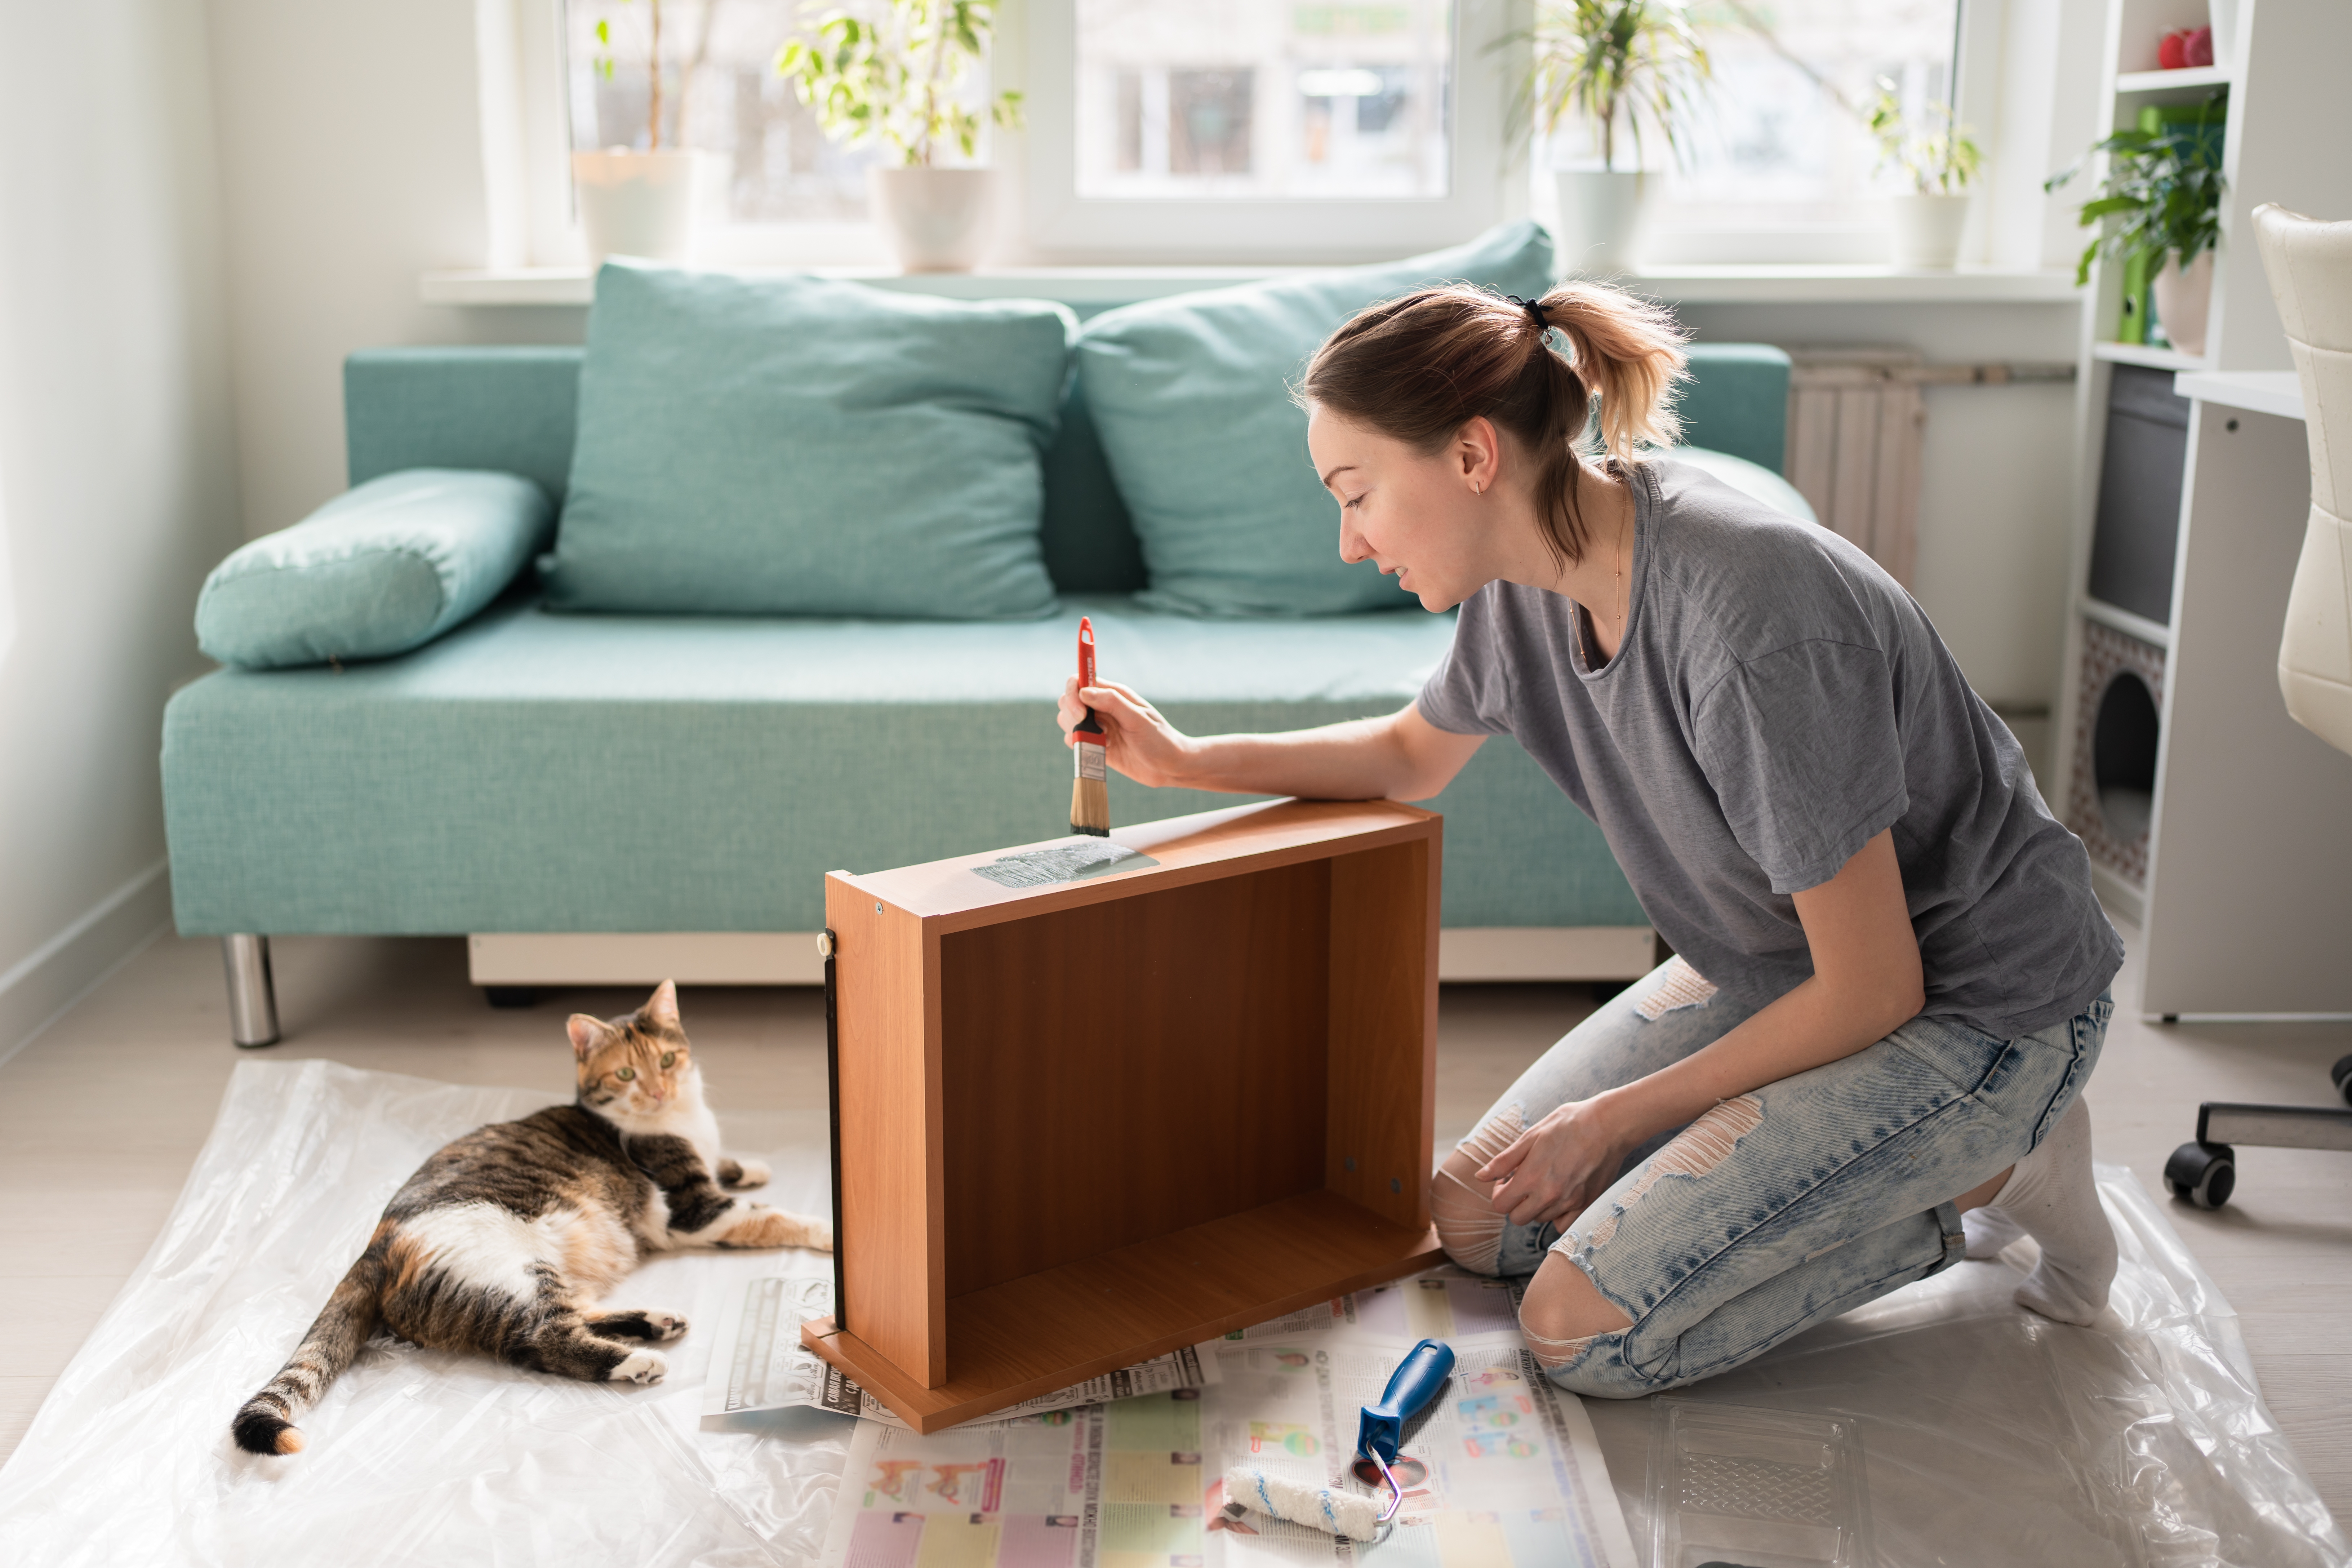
point(1136, 740)
point(1399, 757)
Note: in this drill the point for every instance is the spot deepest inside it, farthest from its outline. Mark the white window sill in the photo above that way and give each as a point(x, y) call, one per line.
point(1099, 285)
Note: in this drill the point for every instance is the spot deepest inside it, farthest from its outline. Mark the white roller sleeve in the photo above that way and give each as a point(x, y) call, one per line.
point(1351, 1514)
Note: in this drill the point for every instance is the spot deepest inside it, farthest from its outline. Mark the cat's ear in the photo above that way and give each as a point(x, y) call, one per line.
point(587, 1034)
point(662, 1010)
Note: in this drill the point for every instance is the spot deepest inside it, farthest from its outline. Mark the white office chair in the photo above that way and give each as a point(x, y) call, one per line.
point(2310, 268)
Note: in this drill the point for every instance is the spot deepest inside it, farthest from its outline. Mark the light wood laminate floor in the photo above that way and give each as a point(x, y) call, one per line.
point(101, 1117)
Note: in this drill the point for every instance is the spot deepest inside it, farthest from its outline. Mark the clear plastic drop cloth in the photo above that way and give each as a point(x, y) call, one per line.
point(415, 1457)
point(1990, 1435)
point(1980, 1433)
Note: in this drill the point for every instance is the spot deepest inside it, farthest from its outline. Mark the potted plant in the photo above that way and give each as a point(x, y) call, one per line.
point(1617, 65)
point(2164, 184)
point(1939, 160)
point(636, 202)
point(895, 79)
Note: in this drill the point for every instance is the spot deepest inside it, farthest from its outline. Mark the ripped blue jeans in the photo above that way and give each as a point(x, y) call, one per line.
point(1778, 1208)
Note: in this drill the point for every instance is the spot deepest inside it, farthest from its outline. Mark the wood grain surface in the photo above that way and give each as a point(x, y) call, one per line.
point(1042, 1332)
point(893, 1249)
point(1120, 1071)
point(1037, 1082)
point(1383, 1029)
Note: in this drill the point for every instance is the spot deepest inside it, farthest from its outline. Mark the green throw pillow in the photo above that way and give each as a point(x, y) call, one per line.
point(1191, 396)
point(375, 572)
point(795, 446)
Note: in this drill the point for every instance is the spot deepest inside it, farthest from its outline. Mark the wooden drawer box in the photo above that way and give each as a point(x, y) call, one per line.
point(1083, 1124)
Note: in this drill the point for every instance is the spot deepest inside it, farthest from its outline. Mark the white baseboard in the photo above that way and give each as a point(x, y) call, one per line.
point(41, 986)
point(1546, 953)
point(789, 957)
point(627, 958)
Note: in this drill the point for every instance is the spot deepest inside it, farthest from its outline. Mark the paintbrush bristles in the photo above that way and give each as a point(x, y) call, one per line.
point(1091, 791)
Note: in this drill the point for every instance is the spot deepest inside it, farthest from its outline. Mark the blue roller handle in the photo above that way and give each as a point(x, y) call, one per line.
point(1415, 1384)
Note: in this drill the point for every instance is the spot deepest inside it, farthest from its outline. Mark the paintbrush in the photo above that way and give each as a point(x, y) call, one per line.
point(1090, 792)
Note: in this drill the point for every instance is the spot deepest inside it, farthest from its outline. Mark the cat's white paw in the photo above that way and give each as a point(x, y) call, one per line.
point(642, 1366)
point(666, 1326)
point(755, 1174)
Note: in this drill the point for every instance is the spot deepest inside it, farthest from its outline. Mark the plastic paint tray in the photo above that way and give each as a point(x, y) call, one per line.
point(1734, 1486)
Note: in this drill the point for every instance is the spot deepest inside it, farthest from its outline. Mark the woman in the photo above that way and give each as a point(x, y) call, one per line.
point(1892, 971)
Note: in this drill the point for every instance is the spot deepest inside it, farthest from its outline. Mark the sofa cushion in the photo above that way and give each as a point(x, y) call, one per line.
point(535, 771)
point(795, 446)
point(1191, 396)
point(375, 572)
point(1753, 480)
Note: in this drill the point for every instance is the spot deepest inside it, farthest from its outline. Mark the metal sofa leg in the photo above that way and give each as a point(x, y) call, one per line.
point(252, 999)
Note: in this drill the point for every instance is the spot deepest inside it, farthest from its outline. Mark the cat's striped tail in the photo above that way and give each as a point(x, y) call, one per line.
point(266, 1423)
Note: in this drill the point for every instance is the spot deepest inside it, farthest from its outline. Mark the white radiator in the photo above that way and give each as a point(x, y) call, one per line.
point(1854, 423)
point(1855, 419)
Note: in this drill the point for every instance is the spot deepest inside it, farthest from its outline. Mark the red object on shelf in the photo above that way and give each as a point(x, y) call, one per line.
point(2197, 49)
point(2172, 51)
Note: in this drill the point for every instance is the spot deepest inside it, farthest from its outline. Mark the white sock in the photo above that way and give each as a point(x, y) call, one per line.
point(2051, 1196)
point(1989, 1230)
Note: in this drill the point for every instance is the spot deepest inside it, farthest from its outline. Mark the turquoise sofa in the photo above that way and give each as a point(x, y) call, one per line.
point(530, 772)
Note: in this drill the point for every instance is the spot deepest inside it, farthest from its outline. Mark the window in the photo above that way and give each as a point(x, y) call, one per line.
point(1245, 131)
point(765, 161)
point(1241, 98)
point(1782, 167)
point(1261, 131)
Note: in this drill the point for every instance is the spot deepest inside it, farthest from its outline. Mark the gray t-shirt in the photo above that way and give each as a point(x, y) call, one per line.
point(1778, 699)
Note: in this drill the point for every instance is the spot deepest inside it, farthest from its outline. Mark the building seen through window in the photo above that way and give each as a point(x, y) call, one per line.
point(1242, 97)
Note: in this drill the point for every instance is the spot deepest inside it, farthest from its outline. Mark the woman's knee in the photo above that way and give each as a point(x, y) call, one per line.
point(1462, 1206)
point(1468, 1225)
point(1563, 1315)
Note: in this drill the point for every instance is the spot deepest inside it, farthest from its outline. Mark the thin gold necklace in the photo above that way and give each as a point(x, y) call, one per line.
point(1619, 570)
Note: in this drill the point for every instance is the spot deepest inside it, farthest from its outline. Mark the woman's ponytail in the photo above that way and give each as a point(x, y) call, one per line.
point(1628, 351)
point(1418, 368)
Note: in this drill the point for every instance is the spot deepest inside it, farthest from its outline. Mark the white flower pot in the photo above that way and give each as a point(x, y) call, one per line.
point(937, 220)
point(1602, 215)
point(2184, 300)
point(1927, 231)
point(636, 204)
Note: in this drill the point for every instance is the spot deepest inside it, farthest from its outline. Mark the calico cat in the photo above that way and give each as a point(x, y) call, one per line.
point(505, 1241)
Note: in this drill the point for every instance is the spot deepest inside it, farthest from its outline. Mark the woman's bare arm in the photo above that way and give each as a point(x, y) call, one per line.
point(1867, 982)
point(1402, 756)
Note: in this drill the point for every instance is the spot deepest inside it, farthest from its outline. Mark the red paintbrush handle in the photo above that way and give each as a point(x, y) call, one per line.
point(1086, 651)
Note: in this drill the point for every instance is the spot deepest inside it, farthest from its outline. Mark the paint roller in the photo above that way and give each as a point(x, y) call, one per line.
point(1380, 1433)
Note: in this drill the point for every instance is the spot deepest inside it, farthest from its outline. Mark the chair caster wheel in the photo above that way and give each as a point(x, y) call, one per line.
point(2204, 1173)
point(509, 995)
point(2340, 1074)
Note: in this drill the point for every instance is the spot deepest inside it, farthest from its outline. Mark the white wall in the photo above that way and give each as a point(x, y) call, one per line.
point(117, 481)
point(351, 161)
point(1996, 485)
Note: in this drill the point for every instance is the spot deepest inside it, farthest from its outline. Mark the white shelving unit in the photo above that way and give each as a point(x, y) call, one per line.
point(2242, 880)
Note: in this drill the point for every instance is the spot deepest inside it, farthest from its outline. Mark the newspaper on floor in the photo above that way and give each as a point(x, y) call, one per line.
point(1503, 1472)
point(760, 1363)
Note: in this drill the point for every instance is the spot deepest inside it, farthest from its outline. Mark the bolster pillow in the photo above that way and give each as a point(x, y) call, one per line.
point(375, 572)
